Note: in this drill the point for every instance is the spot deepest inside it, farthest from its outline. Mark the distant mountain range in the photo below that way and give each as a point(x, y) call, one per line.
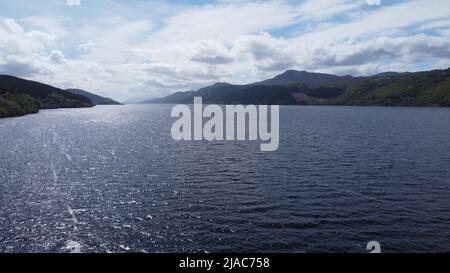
point(429, 88)
point(20, 97)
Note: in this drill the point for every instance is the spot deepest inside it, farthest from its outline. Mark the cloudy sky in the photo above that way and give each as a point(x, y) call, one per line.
point(136, 49)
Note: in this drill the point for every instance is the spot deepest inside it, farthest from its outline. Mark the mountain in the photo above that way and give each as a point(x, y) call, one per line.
point(179, 97)
point(429, 88)
point(302, 77)
point(96, 99)
point(20, 97)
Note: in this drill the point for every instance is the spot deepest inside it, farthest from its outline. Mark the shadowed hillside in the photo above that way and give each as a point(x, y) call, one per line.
point(430, 88)
point(20, 97)
point(96, 99)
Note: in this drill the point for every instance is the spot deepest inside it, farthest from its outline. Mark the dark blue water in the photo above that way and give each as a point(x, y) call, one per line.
point(111, 179)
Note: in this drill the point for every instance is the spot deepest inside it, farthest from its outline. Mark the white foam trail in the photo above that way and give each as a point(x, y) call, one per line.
point(73, 247)
point(63, 150)
point(124, 247)
point(66, 154)
point(55, 175)
point(72, 214)
point(54, 137)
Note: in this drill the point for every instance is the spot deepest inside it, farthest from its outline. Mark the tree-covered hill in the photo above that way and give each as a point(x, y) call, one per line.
point(96, 99)
point(20, 97)
point(430, 88)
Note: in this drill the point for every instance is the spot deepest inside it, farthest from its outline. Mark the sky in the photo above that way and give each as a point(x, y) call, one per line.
point(137, 49)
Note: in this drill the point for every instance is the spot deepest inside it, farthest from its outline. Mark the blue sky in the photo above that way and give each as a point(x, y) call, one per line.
point(137, 49)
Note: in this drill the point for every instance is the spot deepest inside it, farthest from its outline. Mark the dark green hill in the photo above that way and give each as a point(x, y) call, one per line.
point(430, 88)
point(96, 99)
point(20, 97)
point(303, 77)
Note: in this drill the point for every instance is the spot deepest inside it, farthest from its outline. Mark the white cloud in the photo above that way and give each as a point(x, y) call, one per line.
point(112, 40)
point(73, 2)
point(210, 52)
point(56, 57)
point(382, 22)
point(374, 2)
point(21, 52)
point(223, 21)
point(45, 24)
point(86, 46)
point(321, 10)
